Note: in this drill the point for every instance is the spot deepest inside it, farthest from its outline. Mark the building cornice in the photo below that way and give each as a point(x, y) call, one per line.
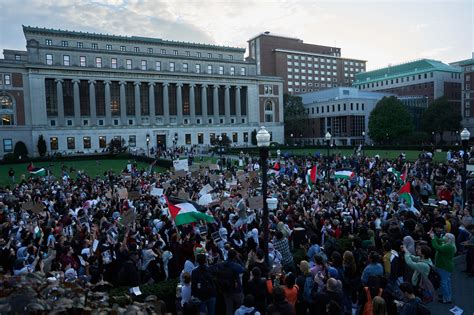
point(130, 39)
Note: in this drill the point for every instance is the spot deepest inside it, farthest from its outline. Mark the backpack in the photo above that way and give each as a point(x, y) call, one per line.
point(434, 277)
point(369, 307)
point(226, 278)
point(310, 289)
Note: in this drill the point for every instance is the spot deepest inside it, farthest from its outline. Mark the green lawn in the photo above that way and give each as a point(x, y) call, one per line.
point(390, 154)
point(90, 167)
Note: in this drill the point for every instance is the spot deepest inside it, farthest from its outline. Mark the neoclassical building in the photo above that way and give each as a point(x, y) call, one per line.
point(81, 90)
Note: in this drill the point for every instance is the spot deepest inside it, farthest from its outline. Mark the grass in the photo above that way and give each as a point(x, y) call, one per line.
point(90, 167)
point(390, 154)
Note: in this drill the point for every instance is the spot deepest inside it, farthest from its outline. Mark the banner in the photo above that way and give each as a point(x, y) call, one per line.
point(181, 165)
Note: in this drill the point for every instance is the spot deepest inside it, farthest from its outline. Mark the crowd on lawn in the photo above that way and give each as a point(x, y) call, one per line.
point(343, 246)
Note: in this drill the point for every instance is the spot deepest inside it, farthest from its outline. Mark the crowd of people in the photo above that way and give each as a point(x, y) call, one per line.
point(343, 246)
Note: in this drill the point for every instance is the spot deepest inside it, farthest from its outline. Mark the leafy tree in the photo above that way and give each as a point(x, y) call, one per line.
point(41, 146)
point(389, 121)
point(441, 116)
point(294, 115)
point(20, 150)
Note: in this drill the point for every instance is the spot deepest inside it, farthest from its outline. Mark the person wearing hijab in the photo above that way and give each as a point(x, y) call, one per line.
point(444, 260)
point(409, 244)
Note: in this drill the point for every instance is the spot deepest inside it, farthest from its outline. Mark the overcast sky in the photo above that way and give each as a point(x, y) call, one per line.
point(381, 32)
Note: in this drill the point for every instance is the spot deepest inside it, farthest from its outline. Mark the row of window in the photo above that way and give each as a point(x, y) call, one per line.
point(396, 81)
point(327, 60)
point(310, 84)
point(149, 50)
point(311, 78)
point(333, 108)
point(145, 66)
point(5, 79)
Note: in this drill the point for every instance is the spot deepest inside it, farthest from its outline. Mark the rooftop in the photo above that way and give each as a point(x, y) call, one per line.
point(409, 68)
point(339, 93)
point(135, 39)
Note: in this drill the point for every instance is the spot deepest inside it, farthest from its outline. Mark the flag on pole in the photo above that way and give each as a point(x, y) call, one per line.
point(349, 175)
point(405, 195)
point(185, 213)
point(404, 176)
point(38, 172)
point(397, 174)
point(311, 176)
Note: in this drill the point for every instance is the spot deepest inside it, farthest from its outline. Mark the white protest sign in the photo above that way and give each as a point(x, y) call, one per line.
point(157, 191)
point(205, 190)
point(181, 165)
point(205, 200)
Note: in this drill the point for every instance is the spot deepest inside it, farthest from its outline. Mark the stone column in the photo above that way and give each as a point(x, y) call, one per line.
point(60, 101)
point(138, 109)
point(238, 105)
point(166, 104)
point(204, 103)
point(216, 104)
point(192, 104)
point(77, 104)
point(123, 104)
point(108, 109)
point(227, 104)
point(179, 103)
point(151, 98)
point(93, 103)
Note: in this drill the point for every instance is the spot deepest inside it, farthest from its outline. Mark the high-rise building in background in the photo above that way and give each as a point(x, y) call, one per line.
point(467, 107)
point(303, 67)
point(81, 90)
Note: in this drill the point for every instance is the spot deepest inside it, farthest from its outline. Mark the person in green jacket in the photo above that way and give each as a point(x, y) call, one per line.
point(420, 263)
point(444, 261)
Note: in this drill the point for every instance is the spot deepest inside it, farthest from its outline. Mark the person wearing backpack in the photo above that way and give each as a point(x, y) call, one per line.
point(307, 289)
point(229, 283)
point(421, 265)
point(412, 305)
point(444, 260)
point(203, 287)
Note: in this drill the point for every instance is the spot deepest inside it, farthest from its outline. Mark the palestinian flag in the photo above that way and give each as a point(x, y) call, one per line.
point(273, 173)
point(404, 176)
point(405, 195)
point(397, 174)
point(349, 175)
point(311, 176)
point(38, 172)
point(185, 213)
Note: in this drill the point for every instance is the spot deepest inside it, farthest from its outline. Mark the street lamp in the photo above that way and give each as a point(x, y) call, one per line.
point(465, 136)
point(220, 149)
point(363, 142)
point(263, 142)
point(147, 145)
point(328, 137)
point(278, 154)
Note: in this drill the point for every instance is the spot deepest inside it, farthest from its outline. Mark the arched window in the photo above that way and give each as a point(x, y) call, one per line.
point(269, 105)
point(6, 110)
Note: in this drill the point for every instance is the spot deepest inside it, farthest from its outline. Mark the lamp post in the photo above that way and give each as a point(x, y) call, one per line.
point(363, 142)
point(263, 142)
point(465, 136)
point(328, 137)
point(220, 149)
point(278, 154)
point(147, 145)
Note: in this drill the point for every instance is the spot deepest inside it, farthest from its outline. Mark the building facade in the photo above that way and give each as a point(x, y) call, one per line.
point(303, 67)
point(81, 90)
point(467, 68)
point(427, 78)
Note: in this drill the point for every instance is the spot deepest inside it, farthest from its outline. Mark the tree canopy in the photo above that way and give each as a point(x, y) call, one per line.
point(390, 121)
point(294, 114)
point(441, 116)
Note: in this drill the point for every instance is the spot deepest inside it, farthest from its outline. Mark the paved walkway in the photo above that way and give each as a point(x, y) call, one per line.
point(463, 291)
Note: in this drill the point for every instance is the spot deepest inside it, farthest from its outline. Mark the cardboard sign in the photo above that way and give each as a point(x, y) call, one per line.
point(183, 195)
point(205, 200)
point(214, 177)
point(214, 167)
point(157, 192)
point(122, 193)
point(133, 195)
point(206, 189)
point(180, 173)
point(166, 185)
point(194, 168)
point(181, 165)
point(256, 203)
point(216, 236)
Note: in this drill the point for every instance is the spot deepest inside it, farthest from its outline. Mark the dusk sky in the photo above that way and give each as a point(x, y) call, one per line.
point(381, 32)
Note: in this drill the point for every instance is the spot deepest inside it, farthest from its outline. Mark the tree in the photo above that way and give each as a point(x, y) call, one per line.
point(389, 121)
point(253, 137)
point(41, 146)
point(441, 116)
point(294, 115)
point(20, 150)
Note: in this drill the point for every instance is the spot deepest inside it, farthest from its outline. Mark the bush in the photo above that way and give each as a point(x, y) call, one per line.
point(9, 158)
point(20, 150)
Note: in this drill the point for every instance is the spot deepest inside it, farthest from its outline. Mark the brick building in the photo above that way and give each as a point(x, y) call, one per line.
point(303, 67)
point(467, 68)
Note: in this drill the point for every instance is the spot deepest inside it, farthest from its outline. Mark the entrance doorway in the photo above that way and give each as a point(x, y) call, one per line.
point(161, 142)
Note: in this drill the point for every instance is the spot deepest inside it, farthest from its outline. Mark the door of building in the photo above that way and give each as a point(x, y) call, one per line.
point(161, 141)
